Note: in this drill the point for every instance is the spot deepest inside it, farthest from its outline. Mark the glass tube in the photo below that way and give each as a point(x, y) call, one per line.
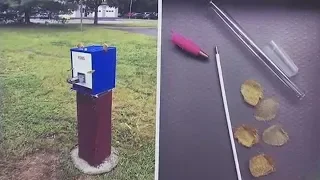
point(255, 50)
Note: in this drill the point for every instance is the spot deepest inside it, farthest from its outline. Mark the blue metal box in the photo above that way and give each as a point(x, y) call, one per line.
point(95, 69)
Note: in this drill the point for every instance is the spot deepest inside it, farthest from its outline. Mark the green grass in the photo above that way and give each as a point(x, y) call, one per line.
point(144, 23)
point(38, 110)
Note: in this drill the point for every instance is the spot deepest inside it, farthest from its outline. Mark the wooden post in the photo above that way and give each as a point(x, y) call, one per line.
point(94, 127)
point(130, 9)
point(81, 7)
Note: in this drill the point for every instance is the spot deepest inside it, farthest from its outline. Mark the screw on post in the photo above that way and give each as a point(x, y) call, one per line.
point(105, 47)
point(80, 45)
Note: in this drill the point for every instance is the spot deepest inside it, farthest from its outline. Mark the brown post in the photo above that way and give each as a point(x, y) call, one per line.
point(94, 127)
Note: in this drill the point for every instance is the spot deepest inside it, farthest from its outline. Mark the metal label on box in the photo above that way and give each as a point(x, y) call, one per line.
point(82, 64)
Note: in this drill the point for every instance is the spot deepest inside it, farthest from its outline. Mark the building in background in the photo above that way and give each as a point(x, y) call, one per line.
point(104, 11)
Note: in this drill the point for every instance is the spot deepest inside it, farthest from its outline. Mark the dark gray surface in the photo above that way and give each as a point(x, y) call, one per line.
point(194, 141)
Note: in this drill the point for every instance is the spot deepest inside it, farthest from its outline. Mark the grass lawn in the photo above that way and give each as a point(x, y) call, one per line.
point(144, 23)
point(38, 109)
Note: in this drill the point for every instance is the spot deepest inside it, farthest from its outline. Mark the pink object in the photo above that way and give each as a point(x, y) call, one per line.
point(187, 45)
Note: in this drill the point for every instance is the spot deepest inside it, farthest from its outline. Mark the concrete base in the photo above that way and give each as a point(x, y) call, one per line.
point(109, 163)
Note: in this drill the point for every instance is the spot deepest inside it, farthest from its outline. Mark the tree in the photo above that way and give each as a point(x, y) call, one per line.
point(27, 8)
point(138, 6)
point(3, 5)
point(92, 6)
point(145, 5)
point(123, 5)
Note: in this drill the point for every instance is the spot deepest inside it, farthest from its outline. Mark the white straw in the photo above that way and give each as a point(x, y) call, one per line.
point(225, 104)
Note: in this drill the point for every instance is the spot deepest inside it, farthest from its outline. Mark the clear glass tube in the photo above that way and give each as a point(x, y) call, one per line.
point(256, 51)
point(281, 59)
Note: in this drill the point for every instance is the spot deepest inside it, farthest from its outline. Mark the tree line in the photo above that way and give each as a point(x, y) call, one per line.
point(29, 8)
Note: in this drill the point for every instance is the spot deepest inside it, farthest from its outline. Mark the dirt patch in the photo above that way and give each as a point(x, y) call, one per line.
point(85, 178)
point(37, 166)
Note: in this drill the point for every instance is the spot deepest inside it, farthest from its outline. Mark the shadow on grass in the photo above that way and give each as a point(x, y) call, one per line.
point(62, 27)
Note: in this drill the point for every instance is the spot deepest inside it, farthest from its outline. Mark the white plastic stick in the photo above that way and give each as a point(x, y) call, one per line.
point(226, 110)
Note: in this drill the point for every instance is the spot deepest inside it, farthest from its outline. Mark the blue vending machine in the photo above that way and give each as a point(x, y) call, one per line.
point(93, 78)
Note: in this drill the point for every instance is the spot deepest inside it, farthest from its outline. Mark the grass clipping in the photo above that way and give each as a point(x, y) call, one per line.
point(246, 136)
point(261, 165)
point(266, 110)
point(275, 136)
point(252, 92)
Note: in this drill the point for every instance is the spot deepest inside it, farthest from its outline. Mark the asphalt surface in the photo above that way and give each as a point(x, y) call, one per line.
point(194, 139)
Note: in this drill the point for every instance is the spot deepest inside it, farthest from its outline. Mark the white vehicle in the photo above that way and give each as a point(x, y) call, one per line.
point(64, 16)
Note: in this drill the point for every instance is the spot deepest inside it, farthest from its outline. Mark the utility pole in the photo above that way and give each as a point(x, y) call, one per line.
point(130, 9)
point(81, 14)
